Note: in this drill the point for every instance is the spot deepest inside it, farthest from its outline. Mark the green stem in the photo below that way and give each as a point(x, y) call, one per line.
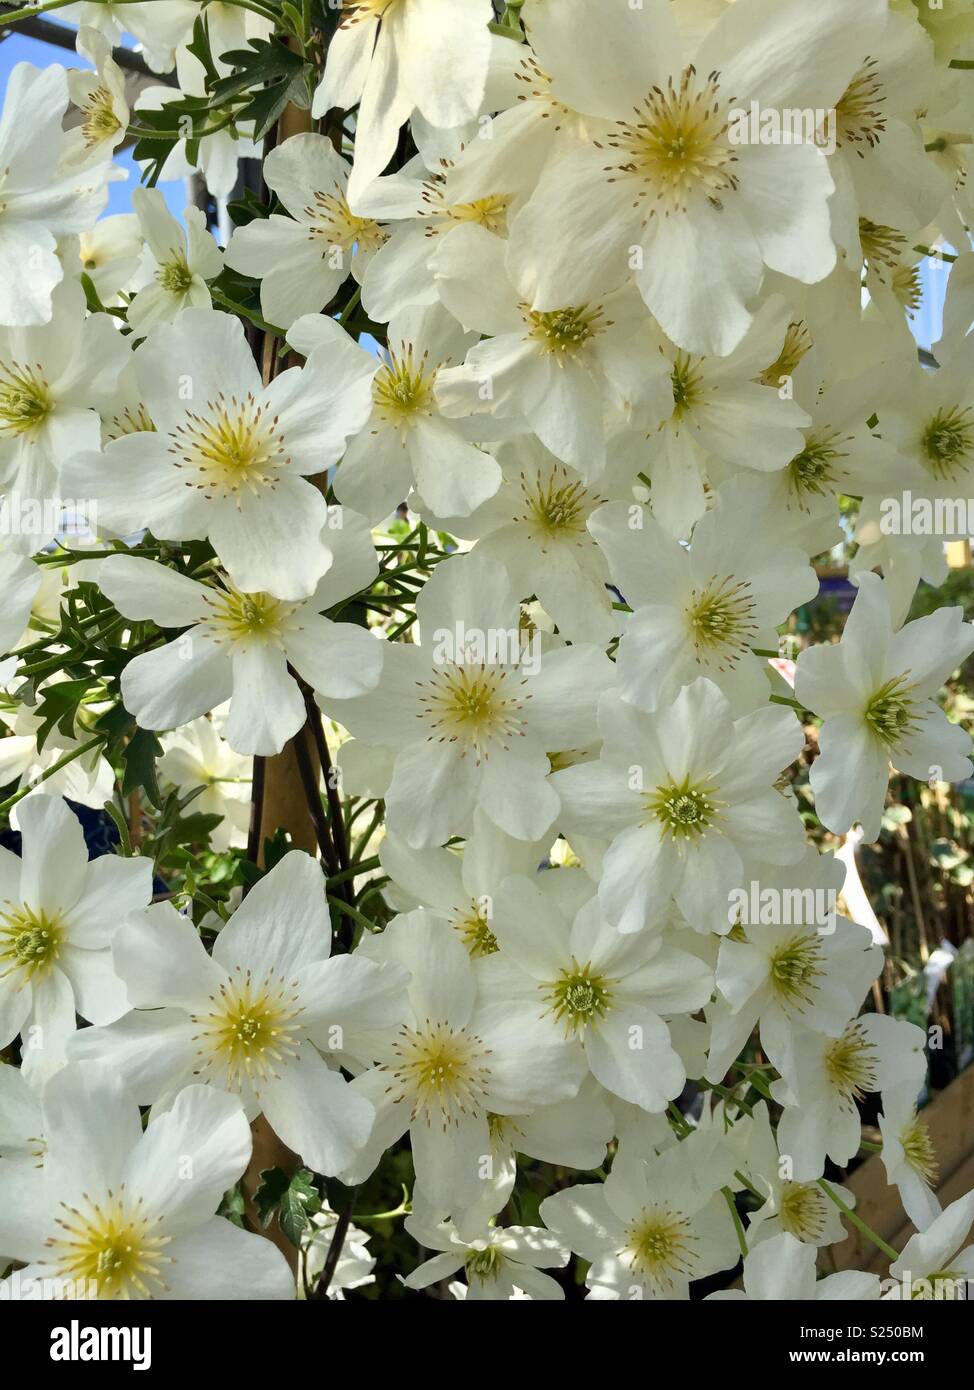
point(138, 132)
point(254, 318)
point(678, 1120)
point(729, 1095)
point(31, 11)
point(934, 254)
point(55, 767)
point(350, 307)
point(348, 911)
point(353, 871)
point(755, 1192)
point(736, 1217)
point(858, 1222)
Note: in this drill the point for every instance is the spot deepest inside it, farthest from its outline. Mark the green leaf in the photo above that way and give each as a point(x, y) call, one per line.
point(266, 60)
point(293, 1199)
point(271, 1187)
point(298, 1205)
point(140, 757)
point(59, 708)
point(233, 1207)
point(274, 75)
point(200, 49)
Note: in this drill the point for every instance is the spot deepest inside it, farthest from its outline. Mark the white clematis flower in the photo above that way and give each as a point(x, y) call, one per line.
point(393, 57)
point(449, 1067)
point(664, 195)
point(257, 1018)
point(58, 913)
point(909, 1156)
point(805, 968)
point(230, 457)
point(601, 993)
point(460, 888)
point(935, 1263)
point(100, 96)
point(800, 1209)
point(782, 1269)
point(302, 260)
point(499, 1263)
point(555, 371)
point(651, 1228)
point(53, 380)
point(827, 1075)
point(684, 796)
point(118, 1213)
point(408, 438)
point(176, 265)
point(242, 646)
point(535, 526)
point(699, 611)
point(473, 712)
point(196, 756)
point(39, 202)
point(875, 691)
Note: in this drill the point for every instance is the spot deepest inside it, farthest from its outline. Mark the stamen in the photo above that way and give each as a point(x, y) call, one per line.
point(850, 1064)
point(441, 1073)
point(677, 148)
point(892, 712)
point(720, 618)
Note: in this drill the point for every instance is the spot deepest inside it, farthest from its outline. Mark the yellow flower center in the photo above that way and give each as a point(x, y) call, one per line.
point(892, 711)
point(474, 929)
point(112, 1243)
point(249, 1030)
point(798, 341)
point(234, 446)
point(30, 942)
point(660, 1246)
point(473, 706)
point(948, 442)
point(331, 218)
point(677, 148)
point(685, 810)
point(175, 276)
point(803, 1208)
point(720, 618)
point(484, 1265)
point(686, 381)
point(241, 617)
point(815, 470)
point(25, 399)
point(794, 968)
point(919, 1151)
point(403, 388)
point(100, 121)
point(490, 212)
point(859, 114)
point(850, 1064)
point(132, 419)
point(440, 1072)
point(578, 997)
point(557, 505)
point(564, 332)
point(881, 246)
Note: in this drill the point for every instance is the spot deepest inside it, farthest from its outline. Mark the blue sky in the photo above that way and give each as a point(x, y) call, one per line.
point(18, 48)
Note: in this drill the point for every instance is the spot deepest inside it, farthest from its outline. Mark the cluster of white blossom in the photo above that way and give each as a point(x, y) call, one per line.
point(531, 558)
